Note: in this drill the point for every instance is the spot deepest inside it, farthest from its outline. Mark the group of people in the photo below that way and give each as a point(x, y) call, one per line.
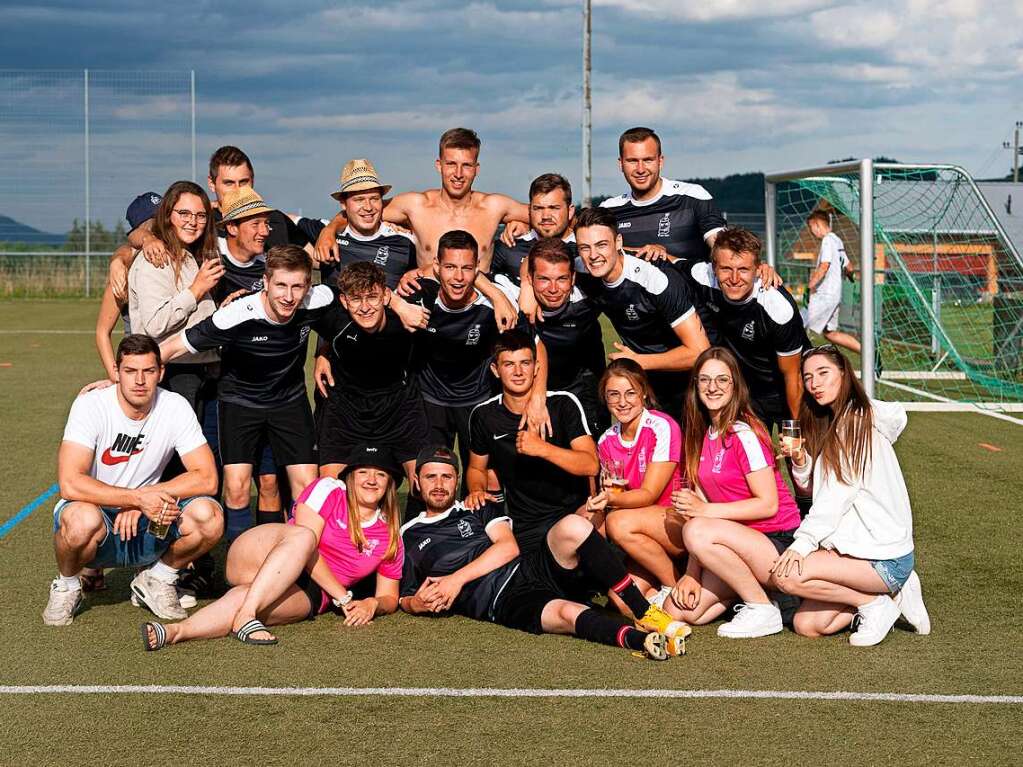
point(469, 363)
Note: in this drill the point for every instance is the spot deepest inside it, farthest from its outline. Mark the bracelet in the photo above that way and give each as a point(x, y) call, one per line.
point(344, 601)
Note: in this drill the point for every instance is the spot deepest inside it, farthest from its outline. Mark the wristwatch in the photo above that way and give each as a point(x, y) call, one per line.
point(343, 601)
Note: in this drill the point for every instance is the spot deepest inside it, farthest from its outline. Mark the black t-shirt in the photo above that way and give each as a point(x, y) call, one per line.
point(679, 218)
point(538, 493)
point(262, 362)
point(391, 250)
point(364, 362)
point(644, 304)
point(573, 339)
point(283, 230)
point(238, 276)
point(505, 264)
point(765, 326)
point(440, 545)
point(453, 352)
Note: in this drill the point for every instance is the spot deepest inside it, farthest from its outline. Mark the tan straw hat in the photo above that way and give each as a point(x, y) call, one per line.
point(358, 176)
point(242, 203)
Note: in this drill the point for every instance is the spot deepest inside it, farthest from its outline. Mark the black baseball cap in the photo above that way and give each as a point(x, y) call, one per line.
point(436, 454)
point(376, 457)
point(142, 209)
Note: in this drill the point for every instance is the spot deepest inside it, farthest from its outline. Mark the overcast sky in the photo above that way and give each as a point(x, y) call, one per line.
point(731, 86)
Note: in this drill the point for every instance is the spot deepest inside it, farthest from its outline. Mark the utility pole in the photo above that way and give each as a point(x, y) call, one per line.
point(1015, 151)
point(587, 109)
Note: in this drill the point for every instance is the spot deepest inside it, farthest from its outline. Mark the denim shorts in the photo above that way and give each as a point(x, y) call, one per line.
point(894, 572)
point(142, 550)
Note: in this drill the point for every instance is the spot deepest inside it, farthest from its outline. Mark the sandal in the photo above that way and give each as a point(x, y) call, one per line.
point(93, 580)
point(159, 638)
point(254, 626)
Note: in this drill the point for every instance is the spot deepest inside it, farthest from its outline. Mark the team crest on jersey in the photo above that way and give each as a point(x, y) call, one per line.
point(474, 336)
point(371, 544)
point(464, 528)
point(631, 313)
point(747, 331)
point(664, 226)
point(303, 333)
point(719, 460)
point(382, 253)
point(257, 284)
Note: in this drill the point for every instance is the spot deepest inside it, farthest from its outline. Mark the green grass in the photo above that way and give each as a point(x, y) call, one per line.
point(966, 503)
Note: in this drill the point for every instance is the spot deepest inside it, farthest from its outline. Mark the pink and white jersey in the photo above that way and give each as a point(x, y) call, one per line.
point(658, 439)
point(328, 498)
point(724, 464)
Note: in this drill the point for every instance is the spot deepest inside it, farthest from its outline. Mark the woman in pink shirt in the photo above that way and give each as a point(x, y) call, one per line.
point(343, 531)
point(744, 515)
point(647, 444)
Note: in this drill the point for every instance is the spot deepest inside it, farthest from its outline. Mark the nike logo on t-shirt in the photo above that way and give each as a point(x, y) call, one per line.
point(113, 460)
point(502, 436)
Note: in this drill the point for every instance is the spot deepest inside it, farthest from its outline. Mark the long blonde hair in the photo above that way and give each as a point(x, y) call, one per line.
point(698, 419)
point(388, 507)
point(842, 441)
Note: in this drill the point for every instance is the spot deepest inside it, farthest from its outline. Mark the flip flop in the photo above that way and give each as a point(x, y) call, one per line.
point(254, 626)
point(159, 633)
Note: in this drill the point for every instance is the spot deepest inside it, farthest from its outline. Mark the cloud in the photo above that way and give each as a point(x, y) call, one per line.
point(719, 10)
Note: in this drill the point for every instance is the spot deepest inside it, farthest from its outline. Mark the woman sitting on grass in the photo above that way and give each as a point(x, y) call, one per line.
point(647, 446)
point(854, 550)
point(746, 514)
point(343, 531)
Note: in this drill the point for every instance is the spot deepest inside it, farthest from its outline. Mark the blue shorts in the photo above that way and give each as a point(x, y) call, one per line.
point(142, 550)
point(894, 572)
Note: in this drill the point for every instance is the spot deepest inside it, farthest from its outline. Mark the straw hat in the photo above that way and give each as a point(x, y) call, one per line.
point(242, 203)
point(358, 176)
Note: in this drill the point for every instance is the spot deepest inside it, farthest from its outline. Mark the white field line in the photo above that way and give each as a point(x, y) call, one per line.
point(946, 401)
point(497, 692)
point(52, 332)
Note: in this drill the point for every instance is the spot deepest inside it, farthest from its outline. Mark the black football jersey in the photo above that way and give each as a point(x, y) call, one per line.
point(238, 276)
point(573, 339)
point(364, 362)
point(391, 250)
point(504, 267)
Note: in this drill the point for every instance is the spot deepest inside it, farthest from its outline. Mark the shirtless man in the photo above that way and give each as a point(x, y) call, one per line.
point(454, 206)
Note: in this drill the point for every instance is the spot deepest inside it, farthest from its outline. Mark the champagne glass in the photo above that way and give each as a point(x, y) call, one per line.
point(792, 436)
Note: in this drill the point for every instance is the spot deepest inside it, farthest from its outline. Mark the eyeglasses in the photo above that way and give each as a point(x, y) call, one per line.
point(614, 397)
point(722, 382)
point(367, 299)
point(826, 348)
point(188, 216)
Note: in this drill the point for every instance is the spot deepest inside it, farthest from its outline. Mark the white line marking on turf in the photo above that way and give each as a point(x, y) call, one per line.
point(497, 692)
point(52, 332)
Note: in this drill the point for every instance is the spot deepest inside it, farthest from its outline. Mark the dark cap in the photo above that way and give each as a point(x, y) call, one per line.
point(142, 209)
point(376, 457)
point(436, 454)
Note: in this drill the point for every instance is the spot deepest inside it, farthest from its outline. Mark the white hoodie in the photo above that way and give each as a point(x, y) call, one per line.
point(869, 519)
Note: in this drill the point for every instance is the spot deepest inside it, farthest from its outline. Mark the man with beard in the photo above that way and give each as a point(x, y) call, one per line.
point(469, 563)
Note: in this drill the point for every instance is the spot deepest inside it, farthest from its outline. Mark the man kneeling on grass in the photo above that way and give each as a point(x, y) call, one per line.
point(465, 562)
point(113, 510)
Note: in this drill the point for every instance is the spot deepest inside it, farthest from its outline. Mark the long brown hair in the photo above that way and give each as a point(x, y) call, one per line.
point(842, 441)
point(698, 419)
point(388, 507)
point(203, 248)
point(631, 371)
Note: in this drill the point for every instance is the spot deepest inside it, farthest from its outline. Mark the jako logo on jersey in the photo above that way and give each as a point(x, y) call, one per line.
point(382, 253)
point(631, 313)
point(424, 543)
point(474, 336)
point(342, 242)
point(464, 528)
point(664, 226)
point(261, 338)
point(625, 225)
point(123, 443)
point(747, 331)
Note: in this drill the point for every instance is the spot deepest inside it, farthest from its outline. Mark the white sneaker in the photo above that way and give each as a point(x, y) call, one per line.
point(910, 601)
point(876, 620)
point(186, 599)
point(161, 598)
point(660, 597)
point(63, 605)
point(752, 620)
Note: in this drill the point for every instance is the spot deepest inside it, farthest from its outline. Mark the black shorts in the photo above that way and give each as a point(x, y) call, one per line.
point(781, 539)
point(670, 389)
point(771, 411)
point(538, 581)
point(598, 417)
point(314, 592)
point(288, 429)
point(446, 423)
point(395, 419)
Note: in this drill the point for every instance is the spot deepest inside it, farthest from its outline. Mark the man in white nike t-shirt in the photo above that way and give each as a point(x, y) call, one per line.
point(117, 442)
point(825, 285)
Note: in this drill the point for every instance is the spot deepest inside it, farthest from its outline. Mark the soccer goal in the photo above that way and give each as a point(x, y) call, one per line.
point(945, 308)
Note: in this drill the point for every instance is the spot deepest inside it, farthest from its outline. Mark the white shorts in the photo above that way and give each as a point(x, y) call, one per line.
point(822, 314)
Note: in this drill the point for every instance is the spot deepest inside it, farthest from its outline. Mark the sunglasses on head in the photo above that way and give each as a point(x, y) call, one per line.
point(823, 348)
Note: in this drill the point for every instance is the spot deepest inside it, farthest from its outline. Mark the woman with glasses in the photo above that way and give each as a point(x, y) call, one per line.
point(740, 515)
point(853, 554)
point(639, 457)
point(163, 300)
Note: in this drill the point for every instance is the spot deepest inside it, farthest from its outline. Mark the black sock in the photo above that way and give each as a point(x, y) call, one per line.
point(238, 521)
point(599, 560)
point(262, 517)
point(605, 629)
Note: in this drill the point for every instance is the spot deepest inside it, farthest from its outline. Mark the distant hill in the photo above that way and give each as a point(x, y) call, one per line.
point(15, 231)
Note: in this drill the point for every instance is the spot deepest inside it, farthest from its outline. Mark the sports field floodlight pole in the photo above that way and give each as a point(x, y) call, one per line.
point(193, 125)
point(770, 227)
point(587, 109)
point(88, 202)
